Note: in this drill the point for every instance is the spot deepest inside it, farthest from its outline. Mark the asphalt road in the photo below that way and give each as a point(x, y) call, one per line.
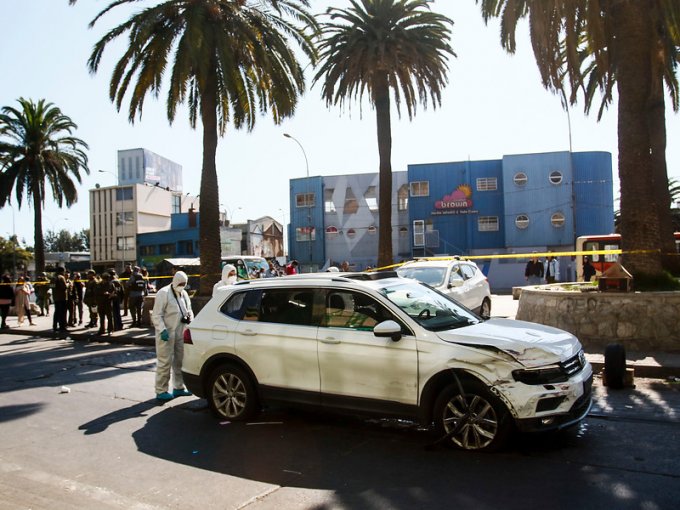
point(80, 429)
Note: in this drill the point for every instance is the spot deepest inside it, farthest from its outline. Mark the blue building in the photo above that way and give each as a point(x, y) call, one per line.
point(517, 204)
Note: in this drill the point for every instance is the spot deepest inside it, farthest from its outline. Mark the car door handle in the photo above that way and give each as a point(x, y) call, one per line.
point(248, 332)
point(329, 340)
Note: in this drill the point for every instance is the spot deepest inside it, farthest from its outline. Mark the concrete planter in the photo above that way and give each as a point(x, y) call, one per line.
point(642, 321)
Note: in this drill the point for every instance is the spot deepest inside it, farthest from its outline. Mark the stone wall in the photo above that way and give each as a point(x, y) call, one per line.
point(642, 321)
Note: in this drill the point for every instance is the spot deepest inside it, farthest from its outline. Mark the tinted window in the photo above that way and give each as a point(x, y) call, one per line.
point(354, 310)
point(287, 306)
point(233, 307)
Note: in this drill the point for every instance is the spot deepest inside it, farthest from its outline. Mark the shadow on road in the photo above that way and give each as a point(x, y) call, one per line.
point(102, 423)
point(16, 412)
point(371, 464)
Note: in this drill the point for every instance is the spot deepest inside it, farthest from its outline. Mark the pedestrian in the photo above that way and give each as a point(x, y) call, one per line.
point(70, 300)
point(533, 273)
point(6, 298)
point(136, 289)
point(588, 269)
point(78, 292)
point(292, 268)
point(171, 314)
point(42, 294)
point(124, 279)
point(552, 270)
point(228, 278)
point(105, 293)
point(59, 295)
point(344, 267)
point(90, 298)
point(116, 301)
point(22, 303)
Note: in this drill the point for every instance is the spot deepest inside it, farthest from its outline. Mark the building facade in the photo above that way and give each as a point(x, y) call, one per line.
point(517, 204)
point(119, 213)
point(139, 166)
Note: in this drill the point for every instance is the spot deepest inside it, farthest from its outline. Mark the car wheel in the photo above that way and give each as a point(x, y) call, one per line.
point(232, 394)
point(485, 309)
point(476, 420)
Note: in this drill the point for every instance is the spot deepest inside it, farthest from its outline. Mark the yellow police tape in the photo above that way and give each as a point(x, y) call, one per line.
point(449, 257)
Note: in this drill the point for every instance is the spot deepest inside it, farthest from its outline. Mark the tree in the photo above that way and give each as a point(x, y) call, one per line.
point(64, 241)
point(38, 153)
point(379, 47)
point(228, 60)
point(628, 46)
point(12, 255)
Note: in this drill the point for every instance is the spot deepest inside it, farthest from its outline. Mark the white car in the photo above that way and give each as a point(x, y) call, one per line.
point(379, 344)
point(460, 279)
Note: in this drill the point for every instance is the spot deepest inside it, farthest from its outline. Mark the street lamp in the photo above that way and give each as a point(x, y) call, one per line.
point(120, 220)
point(309, 207)
point(230, 217)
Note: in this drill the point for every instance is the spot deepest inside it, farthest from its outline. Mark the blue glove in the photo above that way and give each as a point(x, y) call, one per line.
point(165, 336)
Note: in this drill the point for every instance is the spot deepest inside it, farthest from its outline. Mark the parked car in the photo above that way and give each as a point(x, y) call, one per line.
point(460, 279)
point(384, 345)
point(246, 265)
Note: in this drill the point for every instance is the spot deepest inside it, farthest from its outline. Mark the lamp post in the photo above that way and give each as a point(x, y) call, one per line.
point(309, 207)
point(228, 213)
point(122, 218)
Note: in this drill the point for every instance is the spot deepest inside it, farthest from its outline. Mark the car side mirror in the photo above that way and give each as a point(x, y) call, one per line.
point(388, 329)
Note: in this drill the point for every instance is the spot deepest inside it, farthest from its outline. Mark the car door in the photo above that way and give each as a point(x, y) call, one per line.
point(359, 370)
point(277, 339)
point(474, 286)
point(458, 287)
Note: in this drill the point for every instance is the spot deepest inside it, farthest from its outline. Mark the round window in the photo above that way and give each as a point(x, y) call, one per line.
point(555, 177)
point(331, 231)
point(522, 221)
point(557, 220)
point(520, 178)
point(351, 232)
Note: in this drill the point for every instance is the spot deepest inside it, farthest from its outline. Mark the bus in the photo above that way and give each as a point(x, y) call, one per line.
point(603, 242)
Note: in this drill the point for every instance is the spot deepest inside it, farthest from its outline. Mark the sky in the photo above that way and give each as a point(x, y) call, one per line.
point(493, 105)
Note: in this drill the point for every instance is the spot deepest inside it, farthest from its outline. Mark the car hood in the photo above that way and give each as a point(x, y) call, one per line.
point(529, 343)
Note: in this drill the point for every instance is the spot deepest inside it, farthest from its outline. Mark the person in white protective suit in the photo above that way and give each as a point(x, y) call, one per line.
point(228, 278)
point(171, 314)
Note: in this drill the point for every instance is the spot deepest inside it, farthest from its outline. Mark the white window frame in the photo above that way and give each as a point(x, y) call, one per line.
point(522, 221)
point(487, 224)
point(557, 220)
point(418, 233)
point(520, 179)
point(420, 189)
point(558, 177)
point(487, 184)
point(303, 234)
point(306, 199)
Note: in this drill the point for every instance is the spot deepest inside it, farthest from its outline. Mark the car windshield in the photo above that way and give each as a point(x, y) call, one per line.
point(433, 276)
point(431, 309)
point(256, 264)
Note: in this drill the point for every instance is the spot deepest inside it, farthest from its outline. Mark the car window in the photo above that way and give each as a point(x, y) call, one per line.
point(233, 307)
point(354, 310)
point(468, 271)
point(287, 306)
point(428, 307)
point(456, 274)
point(433, 276)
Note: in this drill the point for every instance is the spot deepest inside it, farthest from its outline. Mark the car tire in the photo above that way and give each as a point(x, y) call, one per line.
point(485, 309)
point(231, 394)
point(615, 366)
point(488, 422)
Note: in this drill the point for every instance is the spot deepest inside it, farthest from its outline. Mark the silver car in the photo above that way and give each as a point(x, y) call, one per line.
point(457, 278)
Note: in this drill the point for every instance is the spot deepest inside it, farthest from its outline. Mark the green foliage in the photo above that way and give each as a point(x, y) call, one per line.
point(64, 241)
point(12, 255)
point(39, 154)
point(657, 282)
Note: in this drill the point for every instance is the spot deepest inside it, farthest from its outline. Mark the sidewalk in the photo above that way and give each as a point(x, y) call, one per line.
point(654, 365)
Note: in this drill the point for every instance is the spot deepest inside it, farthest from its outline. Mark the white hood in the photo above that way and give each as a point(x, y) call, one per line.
point(226, 279)
point(529, 343)
point(179, 277)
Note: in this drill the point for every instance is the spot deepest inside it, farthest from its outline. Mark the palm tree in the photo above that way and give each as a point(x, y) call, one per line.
point(39, 154)
point(633, 47)
point(228, 60)
point(380, 47)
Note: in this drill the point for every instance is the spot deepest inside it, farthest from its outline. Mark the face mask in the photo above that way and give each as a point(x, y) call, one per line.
point(179, 281)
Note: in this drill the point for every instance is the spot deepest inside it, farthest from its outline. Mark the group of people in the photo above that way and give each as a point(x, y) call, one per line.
point(537, 271)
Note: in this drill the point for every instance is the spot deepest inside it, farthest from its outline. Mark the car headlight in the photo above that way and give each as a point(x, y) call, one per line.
point(544, 375)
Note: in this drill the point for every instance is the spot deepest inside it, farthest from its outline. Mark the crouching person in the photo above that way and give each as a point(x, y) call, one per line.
point(171, 314)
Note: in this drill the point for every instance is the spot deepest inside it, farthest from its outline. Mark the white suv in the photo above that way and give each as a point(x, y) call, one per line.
point(460, 279)
point(377, 343)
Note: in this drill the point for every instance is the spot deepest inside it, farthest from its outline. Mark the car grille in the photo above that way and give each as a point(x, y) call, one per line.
point(574, 364)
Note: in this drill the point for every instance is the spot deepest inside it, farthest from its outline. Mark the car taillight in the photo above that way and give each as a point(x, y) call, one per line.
point(187, 337)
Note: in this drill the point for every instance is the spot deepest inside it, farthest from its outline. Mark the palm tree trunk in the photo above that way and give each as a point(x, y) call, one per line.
point(39, 242)
point(657, 123)
point(209, 230)
point(640, 229)
point(384, 126)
